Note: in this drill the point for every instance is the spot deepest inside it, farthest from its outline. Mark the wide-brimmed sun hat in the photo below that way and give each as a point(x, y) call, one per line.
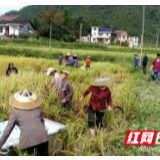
point(50, 70)
point(68, 54)
point(25, 100)
point(102, 81)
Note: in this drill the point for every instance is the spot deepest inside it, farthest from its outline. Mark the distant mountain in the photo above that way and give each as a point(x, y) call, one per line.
point(127, 18)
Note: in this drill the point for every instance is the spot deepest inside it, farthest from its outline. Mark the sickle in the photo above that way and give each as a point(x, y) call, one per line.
point(117, 107)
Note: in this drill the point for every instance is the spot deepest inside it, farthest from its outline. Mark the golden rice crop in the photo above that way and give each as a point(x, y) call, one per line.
point(30, 77)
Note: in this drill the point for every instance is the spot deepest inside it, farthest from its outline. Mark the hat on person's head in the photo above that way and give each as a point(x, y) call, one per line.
point(65, 72)
point(68, 54)
point(50, 70)
point(102, 81)
point(135, 53)
point(88, 56)
point(158, 54)
point(25, 100)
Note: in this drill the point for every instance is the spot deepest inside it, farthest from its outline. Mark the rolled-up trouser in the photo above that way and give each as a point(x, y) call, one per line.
point(99, 117)
point(157, 75)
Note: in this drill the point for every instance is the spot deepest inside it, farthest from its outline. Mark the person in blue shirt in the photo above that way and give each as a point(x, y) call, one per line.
point(136, 60)
point(144, 63)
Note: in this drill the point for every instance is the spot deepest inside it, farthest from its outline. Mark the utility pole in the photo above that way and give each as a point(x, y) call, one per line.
point(80, 34)
point(50, 35)
point(142, 33)
point(157, 40)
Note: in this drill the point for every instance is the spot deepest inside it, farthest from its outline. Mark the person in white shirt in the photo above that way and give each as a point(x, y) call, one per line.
point(56, 79)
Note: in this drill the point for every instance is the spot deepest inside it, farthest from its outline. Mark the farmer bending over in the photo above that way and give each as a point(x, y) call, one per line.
point(97, 102)
point(66, 91)
point(155, 68)
point(70, 60)
point(56, 79)
point(27, 115)
point(11, 69)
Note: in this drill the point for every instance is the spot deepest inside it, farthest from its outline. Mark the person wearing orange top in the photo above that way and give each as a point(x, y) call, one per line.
point(88, 62)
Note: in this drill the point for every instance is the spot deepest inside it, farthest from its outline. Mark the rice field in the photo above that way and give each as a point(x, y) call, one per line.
point(30, 77)
point(132, 91)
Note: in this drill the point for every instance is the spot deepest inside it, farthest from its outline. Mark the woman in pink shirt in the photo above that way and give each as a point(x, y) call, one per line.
point(155, 68)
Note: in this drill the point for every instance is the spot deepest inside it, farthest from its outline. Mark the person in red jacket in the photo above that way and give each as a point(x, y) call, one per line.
point(88, 62)
point(97, 103)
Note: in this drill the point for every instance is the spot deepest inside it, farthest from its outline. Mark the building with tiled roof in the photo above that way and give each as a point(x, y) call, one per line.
point(14, 25)
point(120, 35)
point(10, 18)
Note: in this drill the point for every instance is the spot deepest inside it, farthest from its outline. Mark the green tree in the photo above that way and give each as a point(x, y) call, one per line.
point(66, 20)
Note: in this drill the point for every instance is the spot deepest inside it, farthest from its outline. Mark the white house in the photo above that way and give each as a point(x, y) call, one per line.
point(133, 41)
point(86, 38)
point(17, 28)
point(100, 35)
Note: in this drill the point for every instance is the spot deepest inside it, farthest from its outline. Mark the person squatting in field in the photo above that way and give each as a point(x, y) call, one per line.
point(56, 79)
point(11, 69)
point(97, 103)
point(155, 68)
point(29, 118)
point(136, 60)
point(69, 61)
point(66, 91)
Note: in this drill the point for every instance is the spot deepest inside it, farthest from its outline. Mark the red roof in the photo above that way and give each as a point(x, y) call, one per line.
point(119, 32)
point(8, 17)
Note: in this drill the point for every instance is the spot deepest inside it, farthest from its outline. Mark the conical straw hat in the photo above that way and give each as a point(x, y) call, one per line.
point(102, 81)
point(25, 100)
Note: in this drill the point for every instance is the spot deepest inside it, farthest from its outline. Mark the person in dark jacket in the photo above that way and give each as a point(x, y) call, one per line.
point(144, 63)
point(29, 118)
point(11, 69)
point(66, 91)
point(60, 59)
